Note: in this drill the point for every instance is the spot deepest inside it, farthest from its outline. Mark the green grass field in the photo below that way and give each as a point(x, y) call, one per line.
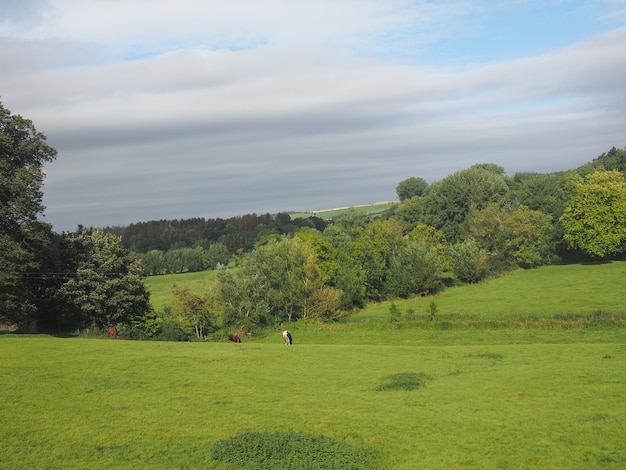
point(369, 209)
point(408, 395)
point(161, 287)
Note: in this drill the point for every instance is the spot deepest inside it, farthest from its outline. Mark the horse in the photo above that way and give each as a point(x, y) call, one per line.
point(287, 337)
point(234, 338)
point(112, 332)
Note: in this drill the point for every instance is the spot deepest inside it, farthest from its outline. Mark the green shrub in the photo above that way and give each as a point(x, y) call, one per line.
point(270, 450)
point(403, 381)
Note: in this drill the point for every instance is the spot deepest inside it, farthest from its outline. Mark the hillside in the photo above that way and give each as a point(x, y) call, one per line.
point(533, 297)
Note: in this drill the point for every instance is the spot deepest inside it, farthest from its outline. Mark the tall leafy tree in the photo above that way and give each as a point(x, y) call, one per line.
point(107, 288)
point(513, 236)
point(242, 299)
point(411, 187)
point(279, 281)
point(449, 201)
point(373, 251)
point(470, 262)
point(23, 153)
point(415, 268)
point(194, 312)
point(595, 217)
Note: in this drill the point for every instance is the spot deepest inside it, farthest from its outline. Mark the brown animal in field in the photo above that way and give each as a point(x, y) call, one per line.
point(234, 338)
point(112, 332)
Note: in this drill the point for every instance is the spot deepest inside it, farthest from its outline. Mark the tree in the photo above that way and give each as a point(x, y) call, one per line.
point(541, 192)
point(194, 311)
point(513, 236)
point(279, 281)
point(217, 254)
point(470, 262)
point(614, 159)
point(23, 152)
point(326, 255)
point(242, 298)
point(415, 268)
point(373, 251)
point(154, 262)
point(107, 288)
point(594, 218)
point(449, 201)
point(411, 187)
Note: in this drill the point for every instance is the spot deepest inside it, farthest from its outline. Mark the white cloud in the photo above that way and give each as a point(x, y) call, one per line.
point(299, 119)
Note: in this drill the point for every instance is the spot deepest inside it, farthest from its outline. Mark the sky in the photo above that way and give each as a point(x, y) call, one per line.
point(205, 108)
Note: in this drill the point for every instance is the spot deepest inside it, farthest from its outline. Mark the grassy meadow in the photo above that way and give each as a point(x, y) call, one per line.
point(161, 287)
point(518, 372)
point(369, 209)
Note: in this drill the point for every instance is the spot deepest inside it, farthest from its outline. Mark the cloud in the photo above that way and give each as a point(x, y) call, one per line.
point(223, 108)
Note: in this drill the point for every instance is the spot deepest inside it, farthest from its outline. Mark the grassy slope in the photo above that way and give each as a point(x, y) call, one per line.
point(546, 291)
point(535, 293)
point(495, 397)
point(161, 287)
point(370, 209)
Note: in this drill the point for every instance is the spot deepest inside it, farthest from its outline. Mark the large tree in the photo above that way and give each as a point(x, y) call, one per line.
point(449, 201)
point(107, 287)
point(23, 153)
point(513, 236)
point(411, 187)
point(595, 217)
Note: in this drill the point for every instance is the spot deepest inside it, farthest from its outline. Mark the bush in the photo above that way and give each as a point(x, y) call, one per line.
point(403, 381)
point(270, 450)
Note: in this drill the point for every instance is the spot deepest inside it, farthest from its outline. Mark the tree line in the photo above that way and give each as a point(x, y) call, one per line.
point(270, 269)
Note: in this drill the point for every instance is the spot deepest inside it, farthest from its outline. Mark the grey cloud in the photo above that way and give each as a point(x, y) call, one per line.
point(23, 12)
point(206, 134)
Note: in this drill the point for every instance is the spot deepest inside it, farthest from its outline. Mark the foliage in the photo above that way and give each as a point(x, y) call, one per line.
point(415, 268)
point(614, 159)
point(512, 236)
point(541, 192)
point(394, 313)
point(411, 211)
point(107, 288)
point(594, 218)
point(194, 311)
point(353, 222)
point(449, 201)
point(23, 152)
point(270, 450)
point(411, 187)
point(470, 262)
point(373, 251)
point(326, 255)
point(242, 299)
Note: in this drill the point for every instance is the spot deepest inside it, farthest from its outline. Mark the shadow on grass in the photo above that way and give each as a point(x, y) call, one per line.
point(403, 381)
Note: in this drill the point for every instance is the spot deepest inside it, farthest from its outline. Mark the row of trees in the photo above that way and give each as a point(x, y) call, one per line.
point(237, 234)
point(473, 224)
